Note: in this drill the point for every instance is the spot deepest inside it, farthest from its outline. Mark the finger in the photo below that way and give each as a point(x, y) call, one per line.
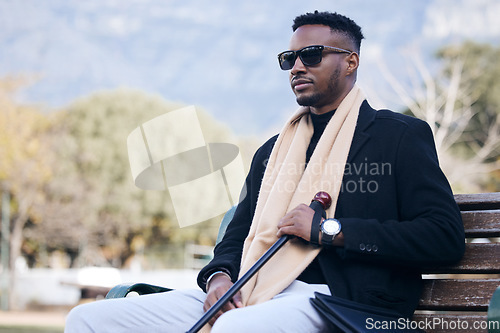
point(237, 300)
point(208, 302)
point(289, 230)
point(285, 221)
point(228, 305)
point(207, 305)
point(212, 298)
point(215, 317)
point(298, 213)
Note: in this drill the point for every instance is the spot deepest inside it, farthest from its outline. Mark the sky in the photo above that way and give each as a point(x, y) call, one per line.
point(219, 55)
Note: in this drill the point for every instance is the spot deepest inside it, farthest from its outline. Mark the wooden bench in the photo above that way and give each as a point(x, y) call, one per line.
point(460, 298)
point(461, 294)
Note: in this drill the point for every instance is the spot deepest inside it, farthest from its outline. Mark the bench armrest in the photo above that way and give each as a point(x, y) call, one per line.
point(224, 223)
point(122, 290)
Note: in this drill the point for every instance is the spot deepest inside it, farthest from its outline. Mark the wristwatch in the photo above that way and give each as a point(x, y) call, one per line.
point(329, 229)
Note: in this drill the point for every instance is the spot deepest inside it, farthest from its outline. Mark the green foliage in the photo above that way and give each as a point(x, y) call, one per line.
point(94, 205)
point(24, 162)
point(481, 69)
point(480, 80)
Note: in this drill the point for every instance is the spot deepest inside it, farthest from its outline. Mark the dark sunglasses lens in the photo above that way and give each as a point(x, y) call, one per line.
point(287, 60)
point(310, 56)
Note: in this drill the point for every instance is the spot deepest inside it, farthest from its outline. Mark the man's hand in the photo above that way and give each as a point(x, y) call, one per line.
point(297, 222)
point(219, 284)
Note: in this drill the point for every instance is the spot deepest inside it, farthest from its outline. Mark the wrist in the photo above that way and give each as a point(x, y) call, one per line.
point(213, 275)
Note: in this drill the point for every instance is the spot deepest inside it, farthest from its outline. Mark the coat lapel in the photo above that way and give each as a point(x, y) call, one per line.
point(365, 119)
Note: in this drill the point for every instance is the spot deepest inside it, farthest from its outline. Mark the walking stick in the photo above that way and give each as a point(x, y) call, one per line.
point(321, 202)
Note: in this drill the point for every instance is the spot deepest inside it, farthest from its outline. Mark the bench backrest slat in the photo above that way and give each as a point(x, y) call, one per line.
point(482, 223)
point(479, 258)
point(480, 201)
point(458, 295)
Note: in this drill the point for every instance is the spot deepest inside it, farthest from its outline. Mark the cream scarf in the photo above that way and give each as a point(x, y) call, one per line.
point(286, 184)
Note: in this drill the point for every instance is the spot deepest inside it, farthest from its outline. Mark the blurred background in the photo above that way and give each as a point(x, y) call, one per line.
point(76, 77)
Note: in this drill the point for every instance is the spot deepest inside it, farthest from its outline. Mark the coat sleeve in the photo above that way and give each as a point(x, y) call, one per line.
point(428, 229)
point(227, 254)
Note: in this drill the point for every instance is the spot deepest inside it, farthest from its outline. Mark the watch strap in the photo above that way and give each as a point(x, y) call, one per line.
point(316, 221)
point(319, 212)
point(326, 239)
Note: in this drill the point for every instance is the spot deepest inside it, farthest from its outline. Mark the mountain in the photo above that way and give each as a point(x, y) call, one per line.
point(219, 55)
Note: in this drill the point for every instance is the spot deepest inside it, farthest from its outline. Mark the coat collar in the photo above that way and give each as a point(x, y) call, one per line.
point(365, 119)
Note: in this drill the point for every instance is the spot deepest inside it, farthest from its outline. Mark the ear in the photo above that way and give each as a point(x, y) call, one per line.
point(352, 63)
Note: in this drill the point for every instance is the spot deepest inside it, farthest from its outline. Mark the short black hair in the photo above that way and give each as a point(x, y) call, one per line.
point(337, 22)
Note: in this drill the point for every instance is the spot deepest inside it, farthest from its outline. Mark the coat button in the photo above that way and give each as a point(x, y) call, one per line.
point(368, 248)
point(362, 247)
point(374, 248)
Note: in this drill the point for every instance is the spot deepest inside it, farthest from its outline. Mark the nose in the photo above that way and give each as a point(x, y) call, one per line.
point(298, 67)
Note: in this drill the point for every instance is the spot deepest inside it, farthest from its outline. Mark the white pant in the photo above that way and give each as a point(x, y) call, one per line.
point(179, 310)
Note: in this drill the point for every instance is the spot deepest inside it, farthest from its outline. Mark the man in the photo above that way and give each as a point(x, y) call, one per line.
point(393, 212)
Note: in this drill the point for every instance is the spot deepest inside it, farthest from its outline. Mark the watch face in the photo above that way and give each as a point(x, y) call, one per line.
point(331, 227)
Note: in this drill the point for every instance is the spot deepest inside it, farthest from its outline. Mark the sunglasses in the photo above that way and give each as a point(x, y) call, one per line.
point(309, 55)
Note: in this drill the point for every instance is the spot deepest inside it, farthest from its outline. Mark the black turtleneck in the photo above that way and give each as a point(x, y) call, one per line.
point(319, 122)
point(313, 274)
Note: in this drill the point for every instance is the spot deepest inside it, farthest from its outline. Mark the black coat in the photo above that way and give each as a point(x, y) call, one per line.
point(396, 208)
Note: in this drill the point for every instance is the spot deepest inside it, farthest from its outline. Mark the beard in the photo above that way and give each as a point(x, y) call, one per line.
point(315, 99)
point(310, 100)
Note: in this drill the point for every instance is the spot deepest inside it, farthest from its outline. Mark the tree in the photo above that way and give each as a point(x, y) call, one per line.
point(24, 167)
point(461, 104)
point(94, 211)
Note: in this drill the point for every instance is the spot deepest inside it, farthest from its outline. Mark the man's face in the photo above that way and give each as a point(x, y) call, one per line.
point(324, 85)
